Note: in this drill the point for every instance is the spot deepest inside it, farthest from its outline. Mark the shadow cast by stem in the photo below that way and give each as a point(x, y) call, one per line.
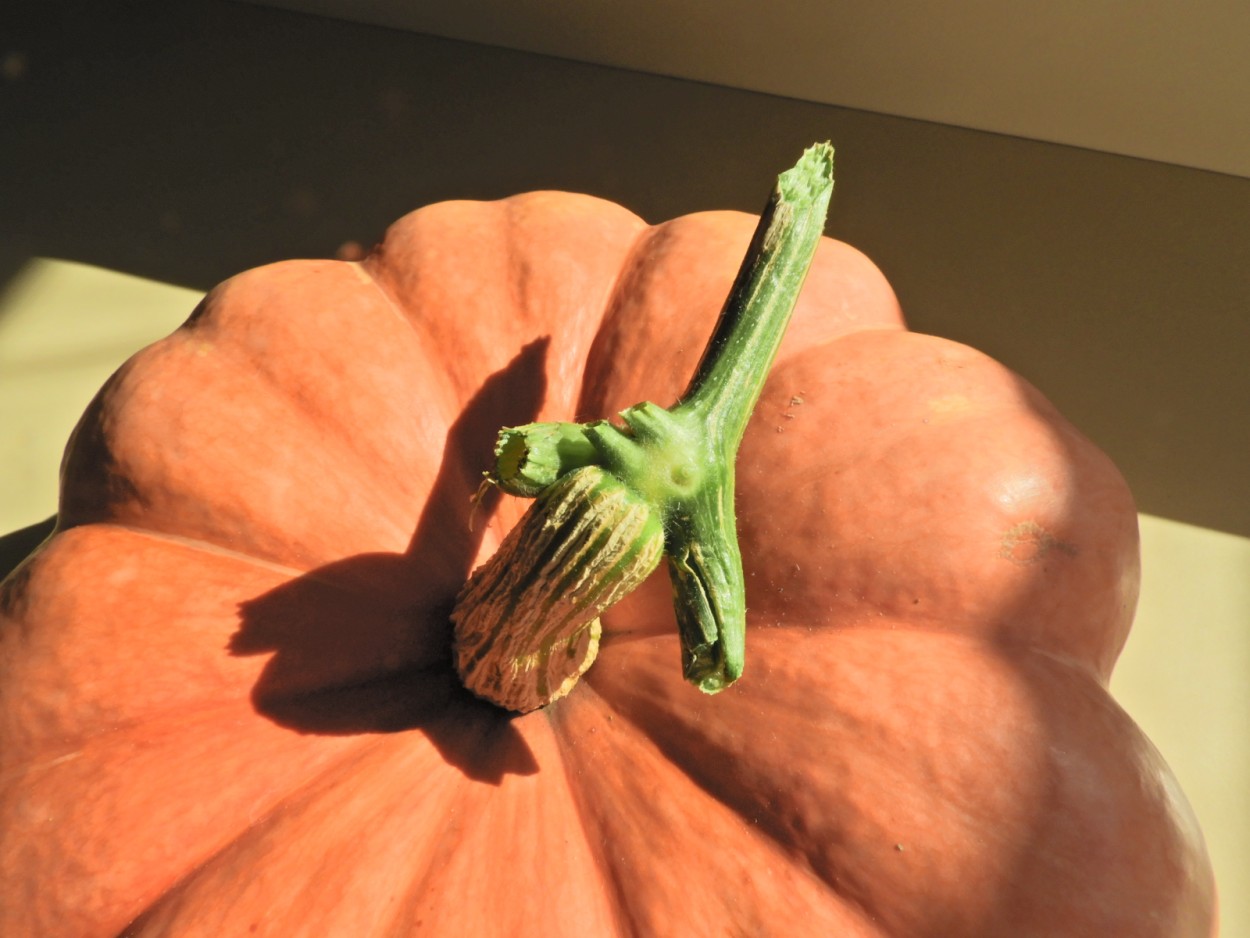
point(363, 645)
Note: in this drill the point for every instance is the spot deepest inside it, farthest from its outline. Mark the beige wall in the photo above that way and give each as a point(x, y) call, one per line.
point(183, 145)
point(1157, 79)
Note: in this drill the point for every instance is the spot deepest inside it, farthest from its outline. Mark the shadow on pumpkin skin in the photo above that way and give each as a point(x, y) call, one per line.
point(363, 645)
point(1104, 773)
point(1049, 815)
point(17, 545)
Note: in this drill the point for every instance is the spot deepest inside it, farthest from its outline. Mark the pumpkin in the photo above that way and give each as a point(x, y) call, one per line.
point(227, 701)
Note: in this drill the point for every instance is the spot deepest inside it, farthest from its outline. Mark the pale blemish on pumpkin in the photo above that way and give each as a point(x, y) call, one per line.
point(796, 400)
point(361, 273)
point(949, 406)
point(1028, 543)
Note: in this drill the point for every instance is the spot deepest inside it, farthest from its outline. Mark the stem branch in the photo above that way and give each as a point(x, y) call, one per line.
point(675, 469)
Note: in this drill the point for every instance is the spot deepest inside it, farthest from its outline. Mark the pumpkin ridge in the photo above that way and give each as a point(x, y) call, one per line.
point(330, 432)
point(302, 797)
point(840, 882)
point(626, 925)
point(587, 407)
point(1024, 713)
point(848, 910)
point(946, 479)
point(67, 749)
point(1006, 640)
point(774, 834)
point(369, 276)
point(638, 266)
point(440, 851)
point(788, 351)
point(118, 467)
point(101, 859)
point(30, 766)
point(199, 544)
point(365, 271)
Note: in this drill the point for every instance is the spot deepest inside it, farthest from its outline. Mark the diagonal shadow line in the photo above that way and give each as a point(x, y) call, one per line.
point(363, 644)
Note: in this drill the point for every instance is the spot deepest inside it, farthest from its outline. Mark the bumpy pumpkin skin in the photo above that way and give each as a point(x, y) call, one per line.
point(226, 701)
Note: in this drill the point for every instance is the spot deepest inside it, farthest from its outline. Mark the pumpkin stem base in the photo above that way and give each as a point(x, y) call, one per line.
point(527, 622)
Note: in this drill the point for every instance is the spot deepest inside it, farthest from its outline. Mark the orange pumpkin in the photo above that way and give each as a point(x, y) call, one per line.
point(227, 705)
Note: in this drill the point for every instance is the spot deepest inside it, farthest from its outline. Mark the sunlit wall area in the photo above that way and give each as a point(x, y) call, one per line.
point(64, 328)
point(1185, 678)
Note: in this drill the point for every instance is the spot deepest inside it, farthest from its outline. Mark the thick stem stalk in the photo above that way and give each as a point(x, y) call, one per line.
point(735, 364)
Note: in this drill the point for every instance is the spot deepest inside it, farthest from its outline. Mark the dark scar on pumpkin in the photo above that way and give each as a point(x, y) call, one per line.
point(1028, 543)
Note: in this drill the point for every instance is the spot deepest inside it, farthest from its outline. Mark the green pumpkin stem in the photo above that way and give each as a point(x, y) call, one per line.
point(680, 461)
point(735, 364)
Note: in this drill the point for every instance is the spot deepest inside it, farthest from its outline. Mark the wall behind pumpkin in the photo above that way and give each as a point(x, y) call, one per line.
point(182, 143)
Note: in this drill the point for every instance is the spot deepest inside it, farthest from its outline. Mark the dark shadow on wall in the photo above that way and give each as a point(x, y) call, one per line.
point(185, 142)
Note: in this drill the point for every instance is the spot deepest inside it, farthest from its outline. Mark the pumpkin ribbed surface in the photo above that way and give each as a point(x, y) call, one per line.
point(227, 701)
